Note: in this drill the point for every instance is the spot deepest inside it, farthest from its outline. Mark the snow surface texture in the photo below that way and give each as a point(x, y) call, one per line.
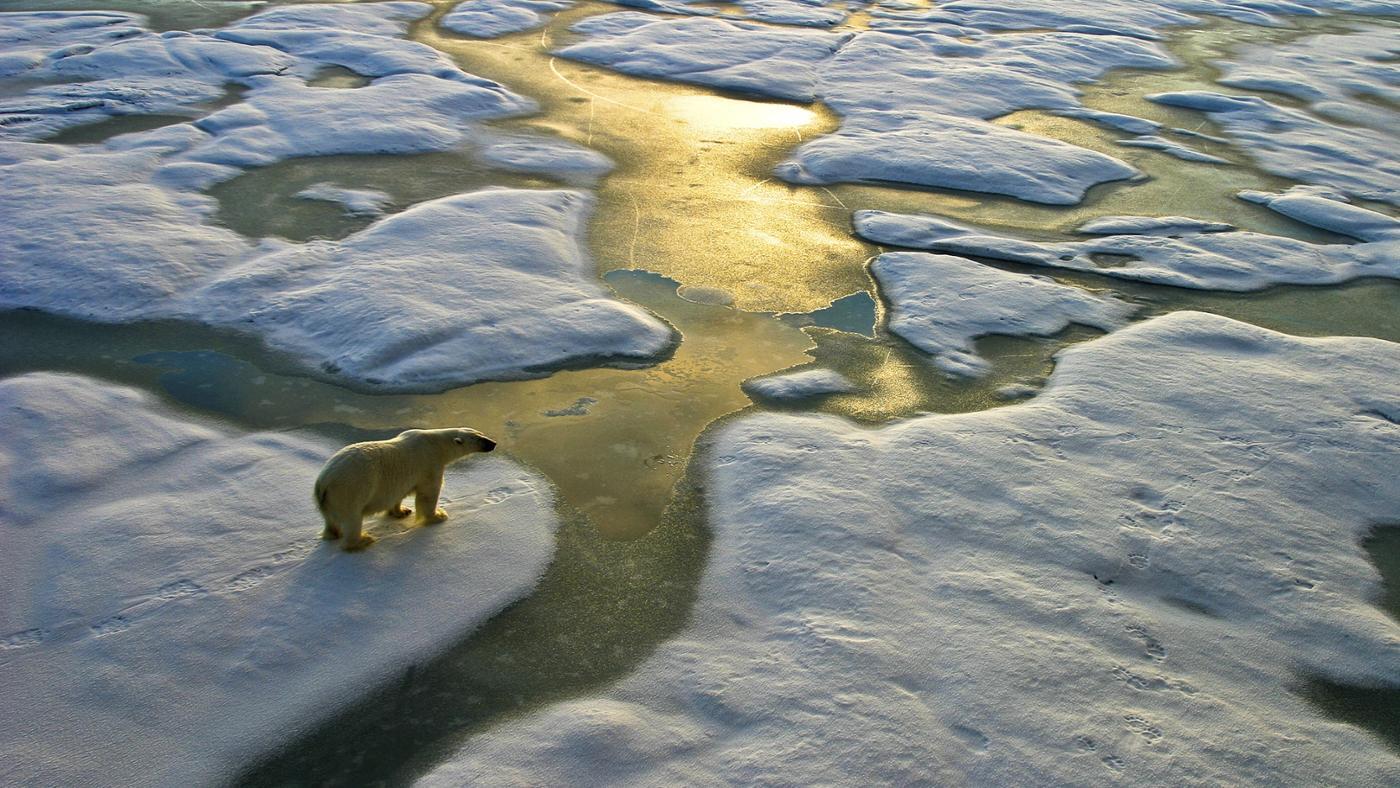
point(1121, 579)
point(913, 106)
point(495, 18)
point(356, 202)
point(940, 304)
point(1203, 258)
point(162, 577)
point(799, 385)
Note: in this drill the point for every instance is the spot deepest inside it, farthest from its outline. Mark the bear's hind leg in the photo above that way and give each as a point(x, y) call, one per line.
point(399, 511)
point(354, 540)
point(425, 499)
point(330, 531)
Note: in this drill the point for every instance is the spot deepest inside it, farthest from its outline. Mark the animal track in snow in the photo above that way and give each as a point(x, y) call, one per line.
point(497, 495)
point(23, 638)
point(249, 578)
point(110, 626)
point(1142, 727)
point(973, 738)
point(180, 589)
point(1152, 647)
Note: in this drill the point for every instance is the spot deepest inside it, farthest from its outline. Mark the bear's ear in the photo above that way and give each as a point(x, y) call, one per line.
point(457, 441)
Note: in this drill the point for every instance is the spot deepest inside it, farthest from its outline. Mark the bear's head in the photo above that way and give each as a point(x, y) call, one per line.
point(469, 441)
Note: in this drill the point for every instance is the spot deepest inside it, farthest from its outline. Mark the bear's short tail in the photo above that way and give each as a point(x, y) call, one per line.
point(321, 497)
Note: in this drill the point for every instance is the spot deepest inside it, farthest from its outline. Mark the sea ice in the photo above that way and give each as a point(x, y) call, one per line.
point(805, 13)
point(168, 613)
point(496, 18)
point(485, 285)
point(119, 232)
point(1172, 148)
point(913, 106)
point(949, 152)
point(732, 55)
point(1200, 257)
point(1298, 145)
point(804, 384)
point(941, 303)
point(356, 202)
point(1125, 578)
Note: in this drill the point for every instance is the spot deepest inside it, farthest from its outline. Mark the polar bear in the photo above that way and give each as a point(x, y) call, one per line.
point(374, 476)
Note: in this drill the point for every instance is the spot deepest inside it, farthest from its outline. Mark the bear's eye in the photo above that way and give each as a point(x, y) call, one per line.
point(457, 440)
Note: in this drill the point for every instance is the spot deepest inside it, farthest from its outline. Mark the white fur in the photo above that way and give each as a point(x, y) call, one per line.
point(375, 476)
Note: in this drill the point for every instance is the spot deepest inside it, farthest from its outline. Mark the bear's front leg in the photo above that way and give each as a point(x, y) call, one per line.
point(425, 499)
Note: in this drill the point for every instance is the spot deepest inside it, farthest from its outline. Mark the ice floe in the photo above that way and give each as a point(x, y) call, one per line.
point(495, 18)
point(356, 202)
point(1298, 145)
point(804, 384)
point(914, 106)
point(952, 153)
point(941, 303)
point(1351, 77)
point(119, 232)
point(1139, 18)
point(1125, 578)
point(486, 285)
point(1196, 255)
point(491, 284)
point(732, 55)
point(167, 611)
point(1172, 148)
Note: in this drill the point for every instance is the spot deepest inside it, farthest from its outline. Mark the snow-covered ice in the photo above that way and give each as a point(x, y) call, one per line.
point(167, 610)
point(799, 385)
point(733, 55)
point(485, 285)
point(941, 303)
point(120, 232)
point(1122, 579)
point(1172, 148)
point(804, 13)
point(491, 284)
point(1351, 77)
point(914, 106)
point(952, 153)
point(1298, 145)
point(495, 18)
point(1196, 256)
point(1138, 18)
point(356, 202)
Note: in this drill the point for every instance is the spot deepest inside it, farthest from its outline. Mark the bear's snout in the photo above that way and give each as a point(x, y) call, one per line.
point(487, 444)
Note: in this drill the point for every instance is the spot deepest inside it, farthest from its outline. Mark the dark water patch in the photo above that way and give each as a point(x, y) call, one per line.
point(1382, 546)
point(1375, 708)
point(338, 77)
point(263, 202)
point(103, 130)
point(856, 313)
